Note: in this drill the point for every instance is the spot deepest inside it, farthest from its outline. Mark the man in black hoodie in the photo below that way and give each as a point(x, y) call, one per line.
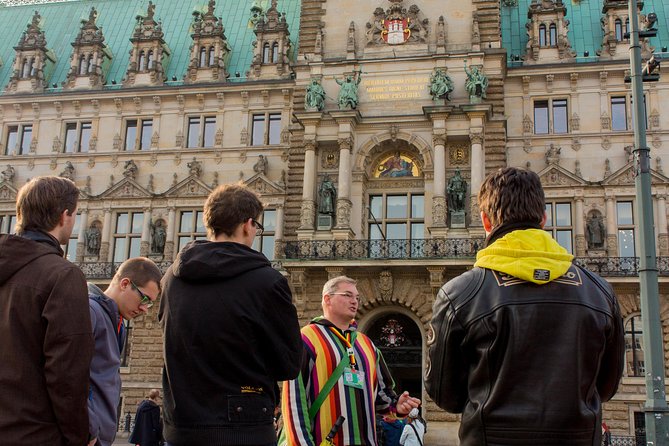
point(230, 331)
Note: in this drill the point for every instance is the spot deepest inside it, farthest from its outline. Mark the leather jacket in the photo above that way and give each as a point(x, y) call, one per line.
point(525, 363)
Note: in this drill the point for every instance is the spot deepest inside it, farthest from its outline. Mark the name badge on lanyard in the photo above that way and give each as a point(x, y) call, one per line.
point(354, 378)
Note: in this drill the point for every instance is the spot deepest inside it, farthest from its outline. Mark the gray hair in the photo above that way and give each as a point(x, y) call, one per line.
point(332, 284)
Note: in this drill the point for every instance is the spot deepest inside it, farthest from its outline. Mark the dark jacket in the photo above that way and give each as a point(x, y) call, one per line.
point(230, 332)
point(46, 344)
point(105, 379)
point(526, 361)
point(148, 429)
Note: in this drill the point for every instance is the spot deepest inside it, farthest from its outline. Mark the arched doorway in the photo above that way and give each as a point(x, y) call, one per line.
point(401, 343)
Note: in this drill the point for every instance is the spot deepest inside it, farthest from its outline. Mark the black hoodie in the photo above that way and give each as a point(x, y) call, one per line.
point(230, 332)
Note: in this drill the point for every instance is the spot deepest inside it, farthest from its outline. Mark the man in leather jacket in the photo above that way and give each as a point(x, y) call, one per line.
point(526, 345)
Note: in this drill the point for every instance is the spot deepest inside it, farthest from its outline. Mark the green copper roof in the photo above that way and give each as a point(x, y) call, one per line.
point(585, 29)
point(61, 23)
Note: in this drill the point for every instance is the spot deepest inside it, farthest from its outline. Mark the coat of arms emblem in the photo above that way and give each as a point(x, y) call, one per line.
point(396, 31)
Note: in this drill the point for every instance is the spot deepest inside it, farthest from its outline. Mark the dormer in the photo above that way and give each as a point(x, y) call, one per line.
point(547, 30)
point(149, 54)
point(210, 49)
point(271, 47)
point(615, 24)
point(90, 56)
point(33, 62)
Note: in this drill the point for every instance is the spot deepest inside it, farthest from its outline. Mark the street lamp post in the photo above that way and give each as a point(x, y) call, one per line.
point(656, 404)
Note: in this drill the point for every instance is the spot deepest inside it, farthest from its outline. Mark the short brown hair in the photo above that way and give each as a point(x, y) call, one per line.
point(512, 195)
point(140, 270)
point(228, 206)
point(42, 200)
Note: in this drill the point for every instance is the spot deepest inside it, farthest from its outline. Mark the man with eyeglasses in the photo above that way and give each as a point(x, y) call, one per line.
point(230, 331)
point(131, 292)
point(342, 373)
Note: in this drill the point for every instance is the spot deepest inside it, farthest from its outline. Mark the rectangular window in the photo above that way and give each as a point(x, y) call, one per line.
point(138, 134)
point(127, 235)
point(265, 242)
point(266, 129)
point(201, 131)
point(191, 227)
point(559, 224)
point(625, 221)
point(71, 247)
point(7, 223)
point(78, 136)
point(400, 218)
point(618, 113)
point(540, 117)
point(560, 116)
point(19, 138)
point(551, 116)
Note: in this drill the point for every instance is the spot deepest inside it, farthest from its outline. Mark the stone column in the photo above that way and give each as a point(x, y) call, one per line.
point(439, 185)
point(662, 235)
point(344, 184)
point(477, 171)
point(611, 227)
point(278, 232)
point(579, 229)
point(308, 207)
point(168, 253)
point(106, 234)
point(145, 243)
point(81, 237)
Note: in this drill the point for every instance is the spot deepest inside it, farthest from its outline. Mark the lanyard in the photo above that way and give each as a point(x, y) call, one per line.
point(347, 343)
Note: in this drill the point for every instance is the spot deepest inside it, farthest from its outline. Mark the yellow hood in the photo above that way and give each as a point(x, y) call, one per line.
point(528, 254)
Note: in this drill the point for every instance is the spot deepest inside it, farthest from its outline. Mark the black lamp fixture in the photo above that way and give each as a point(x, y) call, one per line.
point(586, 53)
point(113, 81)
point(237, 74)
point(174, 78)
point(664, 49)
point(54, 85)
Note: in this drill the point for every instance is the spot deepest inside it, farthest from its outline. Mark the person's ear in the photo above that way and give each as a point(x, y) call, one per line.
point(487, 226)
point(543, 220)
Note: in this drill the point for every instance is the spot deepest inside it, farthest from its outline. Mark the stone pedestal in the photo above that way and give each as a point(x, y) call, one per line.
point(458, 219)
point(91, 259)
point(156, 257)
point(324, 222)
point(597, 252)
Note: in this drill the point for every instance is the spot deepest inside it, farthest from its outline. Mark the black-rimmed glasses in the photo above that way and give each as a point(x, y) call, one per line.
point(260, 228)
point(144, 299)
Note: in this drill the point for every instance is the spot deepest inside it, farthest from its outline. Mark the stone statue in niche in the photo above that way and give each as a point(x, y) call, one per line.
point(158, 237)
point(328, 196)
point(93, 238)
point(595, 233)
point(8, 174)
point(476, 83)
point(456, 191)
point(68, 171)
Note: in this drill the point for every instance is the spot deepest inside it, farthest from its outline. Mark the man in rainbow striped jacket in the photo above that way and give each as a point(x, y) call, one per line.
point(342, 373)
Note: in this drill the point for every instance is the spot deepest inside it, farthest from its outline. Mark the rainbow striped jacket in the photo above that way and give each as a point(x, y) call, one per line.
point(323, 351)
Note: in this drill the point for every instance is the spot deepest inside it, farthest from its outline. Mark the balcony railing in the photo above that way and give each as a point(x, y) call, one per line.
point(381, 249)
point(423, 249)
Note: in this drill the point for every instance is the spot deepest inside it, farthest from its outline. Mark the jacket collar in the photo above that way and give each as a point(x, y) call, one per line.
point(42, 237)
point(503, 229)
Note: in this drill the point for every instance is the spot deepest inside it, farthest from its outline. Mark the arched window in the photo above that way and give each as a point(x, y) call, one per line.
point(203, 57)
point(150, 60)
point(141, 63)
point(82, 65)
point(265, 53)
point(212, 56)
point(25, 70)
point(275, 52)
point(552, 33)
point(542, 35)
point(91, 64)
point(619, 30)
